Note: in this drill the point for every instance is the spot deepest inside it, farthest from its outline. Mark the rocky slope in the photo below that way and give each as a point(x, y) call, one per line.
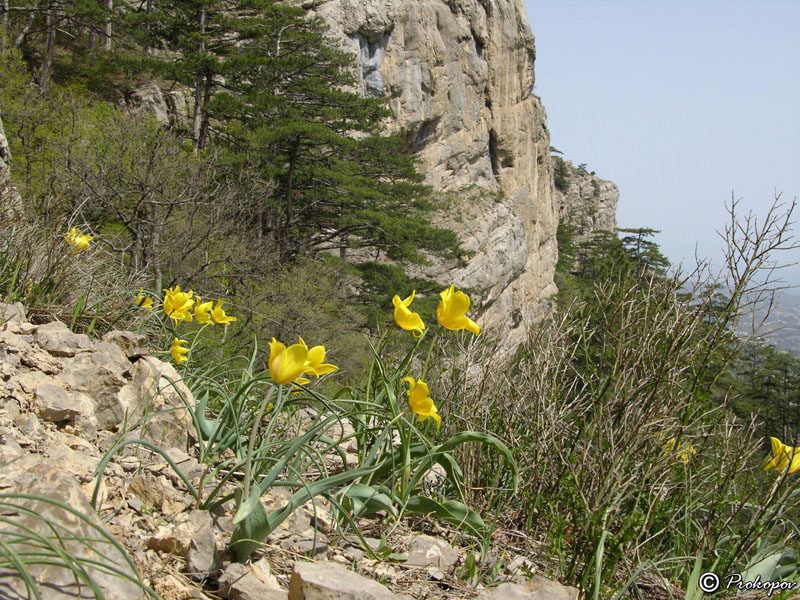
point(66, 399)
point(459, 77)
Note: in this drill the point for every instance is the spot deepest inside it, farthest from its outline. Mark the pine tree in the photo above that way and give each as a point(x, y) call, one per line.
point(287, 111)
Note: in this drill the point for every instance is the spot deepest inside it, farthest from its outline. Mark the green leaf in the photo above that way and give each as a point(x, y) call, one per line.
point(367, 500)
point(452, 511)
point(248, 506)
point(250, 532)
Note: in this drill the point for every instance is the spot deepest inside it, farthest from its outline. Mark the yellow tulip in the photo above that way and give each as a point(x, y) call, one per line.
point(299, 383)
point(178, 351)
point(219, 315)
point(287, 364)
point(143, 301)
point(783, 456)
point(410, 321)
point(683, 453)
point(314, 364)
point(77, 240)
point(177, 304)
point(420, 401)
point(451, 311)
point(202, 311)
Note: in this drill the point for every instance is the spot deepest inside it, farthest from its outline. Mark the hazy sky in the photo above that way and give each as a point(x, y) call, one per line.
point(680, 103)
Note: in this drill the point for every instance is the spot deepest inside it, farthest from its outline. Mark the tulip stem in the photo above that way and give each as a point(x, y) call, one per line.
point(430, 352)
point(252, 442)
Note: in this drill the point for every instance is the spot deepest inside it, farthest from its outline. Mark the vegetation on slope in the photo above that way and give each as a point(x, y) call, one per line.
point(620, 407)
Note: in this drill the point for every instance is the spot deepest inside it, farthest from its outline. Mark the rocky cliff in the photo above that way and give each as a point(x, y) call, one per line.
point(10, 201)
point(459, 77)
point(585, 201)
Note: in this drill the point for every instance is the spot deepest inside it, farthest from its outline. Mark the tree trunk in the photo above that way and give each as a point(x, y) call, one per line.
point(27, 28)
point(198, 90)
point(50, 25)
point(290, 183)
point(5, 26)
point(204, 120)
point(110, 6)
point(155, 250)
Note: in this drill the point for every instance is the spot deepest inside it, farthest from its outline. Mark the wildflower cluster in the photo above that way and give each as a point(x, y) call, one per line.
point(185, 306)
point(451, 314)
point(683, 453)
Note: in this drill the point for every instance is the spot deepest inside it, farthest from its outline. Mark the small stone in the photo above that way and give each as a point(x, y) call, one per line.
point(519, 566)
point(427, 551)
point(537, 588)
point(307, 545)
point(238, 582)
point(332, 581)
point(157, 493)
point(54, 405)
point(354, 554)
point(12, 314)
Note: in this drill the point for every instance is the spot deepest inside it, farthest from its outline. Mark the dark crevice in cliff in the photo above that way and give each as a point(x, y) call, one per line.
point(493, 152)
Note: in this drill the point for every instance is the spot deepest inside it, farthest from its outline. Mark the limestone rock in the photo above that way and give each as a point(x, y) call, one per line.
point(58, 340)
point(239, 582)
point(15, 312)
point(132, 345)
point(10, 201)
point(191, 536)
point(156, 388)
point(537, 588)
point(158, 493)
point(585, 201)
point(459, 78)
point(148, 99)
point(332, 581)
point(427, 551)
point(37, 475)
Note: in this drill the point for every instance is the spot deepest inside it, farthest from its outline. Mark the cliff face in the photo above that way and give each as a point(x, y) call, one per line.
point(585, 201)
point(459, 76)
point(10, 201)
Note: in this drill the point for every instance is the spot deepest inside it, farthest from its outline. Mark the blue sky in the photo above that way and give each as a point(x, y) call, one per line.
point(681, 103)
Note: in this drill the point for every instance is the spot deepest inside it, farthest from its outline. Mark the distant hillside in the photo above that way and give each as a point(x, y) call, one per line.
point(783, 327)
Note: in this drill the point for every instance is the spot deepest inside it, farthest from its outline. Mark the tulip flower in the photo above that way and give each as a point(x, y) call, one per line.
point(177, 304)
point(219, 315)
point(77, 240)
point(410, 321)
point(314, 364)
point(451, 311)
point(287, 364)
point(783, 456)
point(143, 301)
point(420, 401)
point(178, 351)
point(683, 454)
point(202, 312)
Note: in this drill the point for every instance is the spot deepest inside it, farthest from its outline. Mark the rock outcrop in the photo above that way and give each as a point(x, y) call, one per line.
point(459, 77)
point(586, 202)
point(10, 201)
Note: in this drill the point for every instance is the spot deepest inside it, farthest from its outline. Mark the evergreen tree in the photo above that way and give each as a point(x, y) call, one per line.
point(287, 112)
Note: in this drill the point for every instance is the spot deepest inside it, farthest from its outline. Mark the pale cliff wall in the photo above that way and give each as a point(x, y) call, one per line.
point(585, 201)
point(459, 77)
